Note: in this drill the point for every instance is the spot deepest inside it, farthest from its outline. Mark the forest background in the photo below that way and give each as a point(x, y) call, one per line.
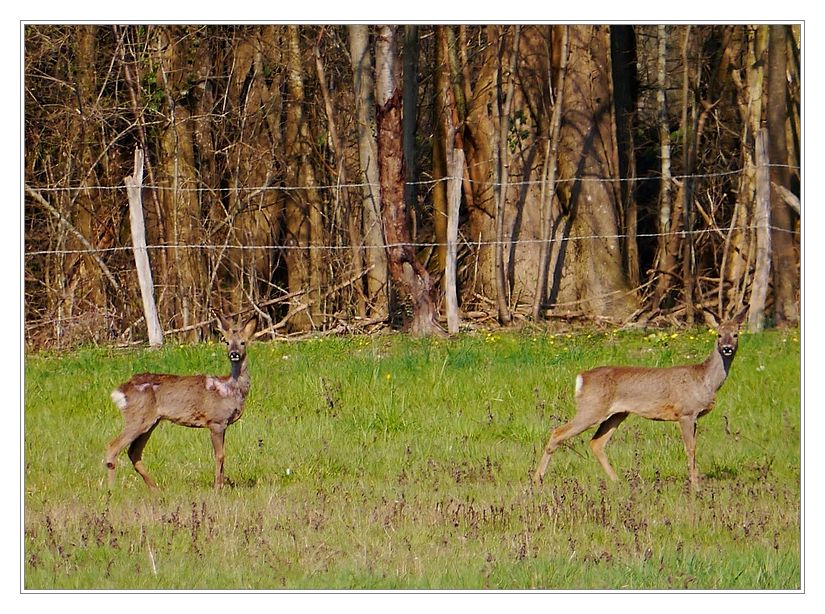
point(349, 178)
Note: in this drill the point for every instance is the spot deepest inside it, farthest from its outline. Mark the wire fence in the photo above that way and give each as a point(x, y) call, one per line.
point(706, 226)
point(421, 182)
point(413, 244)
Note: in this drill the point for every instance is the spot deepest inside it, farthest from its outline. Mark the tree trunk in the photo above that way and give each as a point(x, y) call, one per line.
point(686, 190)
point(550, 179)
point(666, 257)
point(405, 268)
point(91, 288)
point(254, 213)
point(363, 85)
point(410, 76)
point(353, 226)
point(502, 172)
point(479, 158)
point(589, 273)
point(303, 216)
point(180, 202)
point(624, 60)
point(735, 270)
point(785, 269)
point(441, 143)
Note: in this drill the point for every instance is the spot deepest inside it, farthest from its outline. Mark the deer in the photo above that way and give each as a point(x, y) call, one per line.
point(605, 396)
point(196, 401)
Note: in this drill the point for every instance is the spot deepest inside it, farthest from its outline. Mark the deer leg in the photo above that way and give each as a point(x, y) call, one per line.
point(600, 439)
point(131, 431)
point(559, 435)
point(136, 456)
point(112, 450)
point(218, 433)
point(688, 425)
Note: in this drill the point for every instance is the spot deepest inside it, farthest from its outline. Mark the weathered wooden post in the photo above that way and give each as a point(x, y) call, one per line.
point(762, 275)
point(134, 186)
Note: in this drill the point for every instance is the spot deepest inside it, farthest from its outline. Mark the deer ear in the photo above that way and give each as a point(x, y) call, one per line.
point(740, 317)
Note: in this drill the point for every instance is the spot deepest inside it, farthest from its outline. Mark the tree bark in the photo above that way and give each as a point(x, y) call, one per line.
point(479, 157)
point(406, 270)
point(666, 258)
point(373, 232)
point(686, 190)
point(180, 202)
point(785, 270)
point(502, 172)
point(410, 112)
point(624, 63)
point(83, 205)
point(735, 272)
point(550, 179)
point(590, 274)
point(442, 142)
point(304, 225)
point(353, 226)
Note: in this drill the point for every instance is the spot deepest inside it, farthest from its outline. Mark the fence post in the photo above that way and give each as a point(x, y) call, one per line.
point(761, 277)
point(455, 173)
point(134, 186)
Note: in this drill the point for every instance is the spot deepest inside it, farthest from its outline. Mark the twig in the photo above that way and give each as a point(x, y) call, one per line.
point(70, 227)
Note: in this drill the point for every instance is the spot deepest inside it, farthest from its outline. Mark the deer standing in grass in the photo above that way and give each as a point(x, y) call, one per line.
point(605, 396)
point(198, 401)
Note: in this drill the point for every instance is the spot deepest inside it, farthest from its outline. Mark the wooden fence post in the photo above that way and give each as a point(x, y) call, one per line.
point(455, 174)
point(134, 186)
point(761, 277)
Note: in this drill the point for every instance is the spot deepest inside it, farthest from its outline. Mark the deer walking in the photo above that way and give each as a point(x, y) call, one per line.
point(605, 396)
point(198, 401)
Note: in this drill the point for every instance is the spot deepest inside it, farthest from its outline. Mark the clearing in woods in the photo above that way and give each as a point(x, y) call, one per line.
point(387, 462)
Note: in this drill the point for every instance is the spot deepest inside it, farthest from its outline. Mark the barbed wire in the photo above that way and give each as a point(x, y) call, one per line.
point(420, 182)
point(413, 244)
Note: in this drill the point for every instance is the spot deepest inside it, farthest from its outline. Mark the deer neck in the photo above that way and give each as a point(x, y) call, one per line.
point(716, 369)
point(240, 376)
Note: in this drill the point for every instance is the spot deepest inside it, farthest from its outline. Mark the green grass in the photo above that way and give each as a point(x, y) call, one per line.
point(387, 462)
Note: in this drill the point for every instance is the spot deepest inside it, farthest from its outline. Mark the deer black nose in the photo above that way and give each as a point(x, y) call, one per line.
point(728, 350)
point(234, 356)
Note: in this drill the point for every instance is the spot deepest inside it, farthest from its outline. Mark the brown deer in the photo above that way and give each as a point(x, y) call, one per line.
point(606, 395)
point(198, 401)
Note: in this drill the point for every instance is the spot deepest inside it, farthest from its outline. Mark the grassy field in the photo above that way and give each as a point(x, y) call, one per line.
point(386, 462)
